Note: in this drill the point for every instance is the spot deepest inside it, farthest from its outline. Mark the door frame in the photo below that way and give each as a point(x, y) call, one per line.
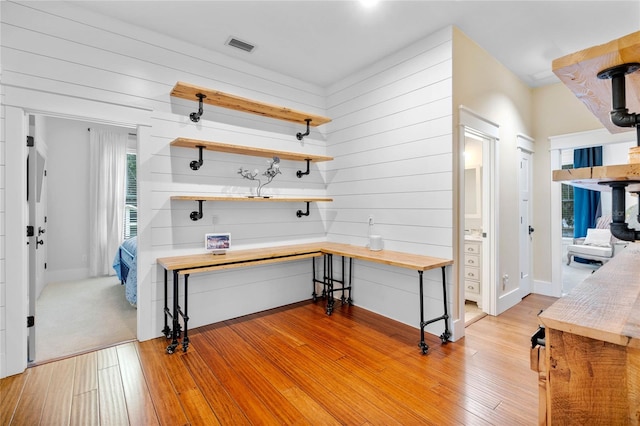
point(556, 145)
point(525, 145)
point(20, 102)
point(16, 259)
point(37, 207)
point(489, 131)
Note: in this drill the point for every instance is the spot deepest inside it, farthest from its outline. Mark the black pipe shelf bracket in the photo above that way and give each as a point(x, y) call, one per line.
point(195, 165)
point(621, 117)
point(197, 215)
point(195, 116)
point(300, 173)
point(299, 135)
point(300, 213)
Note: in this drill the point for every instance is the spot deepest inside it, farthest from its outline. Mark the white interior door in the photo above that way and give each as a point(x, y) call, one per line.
point(525, 228)
point(37, 205)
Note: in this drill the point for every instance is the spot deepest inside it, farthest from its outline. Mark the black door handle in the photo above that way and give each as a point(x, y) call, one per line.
point(531, 230)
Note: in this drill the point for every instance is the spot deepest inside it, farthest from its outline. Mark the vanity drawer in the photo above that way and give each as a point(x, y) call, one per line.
point(472, 260)
point(472, 248)
point(471, 287)
point(471, 273)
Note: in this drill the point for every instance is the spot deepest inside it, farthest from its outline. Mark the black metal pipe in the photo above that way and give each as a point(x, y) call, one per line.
point(619, 228)
point(620, 115)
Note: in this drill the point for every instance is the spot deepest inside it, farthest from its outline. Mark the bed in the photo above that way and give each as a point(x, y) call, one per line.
point(125, 264)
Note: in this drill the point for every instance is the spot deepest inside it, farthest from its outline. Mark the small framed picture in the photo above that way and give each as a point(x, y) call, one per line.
point(217, 243)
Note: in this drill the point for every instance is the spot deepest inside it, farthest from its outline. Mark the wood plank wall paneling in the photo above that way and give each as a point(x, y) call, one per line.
point(132, 52)
point(59, 48)
point(391, 137)
point(393, 122)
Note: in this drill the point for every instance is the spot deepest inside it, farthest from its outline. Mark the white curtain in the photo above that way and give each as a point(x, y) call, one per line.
point(107, 183)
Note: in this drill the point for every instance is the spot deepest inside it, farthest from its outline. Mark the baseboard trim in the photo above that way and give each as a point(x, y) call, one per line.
point(545, 288)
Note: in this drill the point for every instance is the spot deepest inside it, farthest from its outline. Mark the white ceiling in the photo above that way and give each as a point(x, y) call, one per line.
point(322, 42)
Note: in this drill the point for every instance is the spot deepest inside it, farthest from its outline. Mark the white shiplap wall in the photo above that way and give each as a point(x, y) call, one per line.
point(58, 52)
point(3, 281)
point(392, 139)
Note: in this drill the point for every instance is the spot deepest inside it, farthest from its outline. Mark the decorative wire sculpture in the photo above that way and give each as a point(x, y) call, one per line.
point(270, 173)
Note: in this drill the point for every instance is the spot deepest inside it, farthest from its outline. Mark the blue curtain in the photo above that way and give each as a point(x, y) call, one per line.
point(586, 203)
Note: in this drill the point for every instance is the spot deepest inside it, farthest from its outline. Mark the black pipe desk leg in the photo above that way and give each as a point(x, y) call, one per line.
point(330, 285)
point(422, 345)
point(176, 324)
point(349, 299)
point(314, 295)
point(325, 272)
point(343, 299)
point(166, 330)
point(447, 334)
point(185, 316)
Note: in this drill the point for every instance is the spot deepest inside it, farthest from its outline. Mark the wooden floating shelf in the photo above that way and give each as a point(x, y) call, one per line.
point(579, 70)
point(197, 214)
point(244, 150)
point(250, 199)
point(593, 177)
point(226, 100)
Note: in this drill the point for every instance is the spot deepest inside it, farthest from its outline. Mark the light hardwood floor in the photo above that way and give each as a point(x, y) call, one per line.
point(293, 365)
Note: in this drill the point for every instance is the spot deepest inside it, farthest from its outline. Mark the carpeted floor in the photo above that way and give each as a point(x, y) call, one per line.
point(77, 316)
point(472, 313)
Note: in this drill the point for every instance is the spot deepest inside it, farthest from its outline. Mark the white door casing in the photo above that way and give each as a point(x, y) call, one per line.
point(525, 182)
point(13, 357)
point(489, 132)
point(37, 205)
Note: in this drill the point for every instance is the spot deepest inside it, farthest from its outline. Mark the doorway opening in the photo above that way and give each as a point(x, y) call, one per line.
point(478, 212)
point(75, 310)
point(615, 148)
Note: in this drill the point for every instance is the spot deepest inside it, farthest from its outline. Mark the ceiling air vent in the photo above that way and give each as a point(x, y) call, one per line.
point(239, 44)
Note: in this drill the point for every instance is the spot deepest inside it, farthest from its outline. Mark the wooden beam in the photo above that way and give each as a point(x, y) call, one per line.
point(578, 71)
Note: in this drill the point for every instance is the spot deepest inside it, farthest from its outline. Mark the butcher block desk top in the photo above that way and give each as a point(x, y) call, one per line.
point(605, 306)
point(236, 258)
point(416, 262)
point(205, 261)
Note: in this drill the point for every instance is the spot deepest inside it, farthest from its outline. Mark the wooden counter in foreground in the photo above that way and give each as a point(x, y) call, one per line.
point(592, 339)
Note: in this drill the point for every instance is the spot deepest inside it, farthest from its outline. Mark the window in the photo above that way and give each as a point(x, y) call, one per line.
point(567, 209)
point(567, 197)
point(131, 199)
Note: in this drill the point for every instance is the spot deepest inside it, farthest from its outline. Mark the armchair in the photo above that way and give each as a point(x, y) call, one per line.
point(598, 245)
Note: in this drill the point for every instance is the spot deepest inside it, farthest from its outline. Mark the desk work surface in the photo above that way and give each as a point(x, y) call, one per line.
point(205, 260)
point(605, 306)
point(416, 262)
point(236, 256)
